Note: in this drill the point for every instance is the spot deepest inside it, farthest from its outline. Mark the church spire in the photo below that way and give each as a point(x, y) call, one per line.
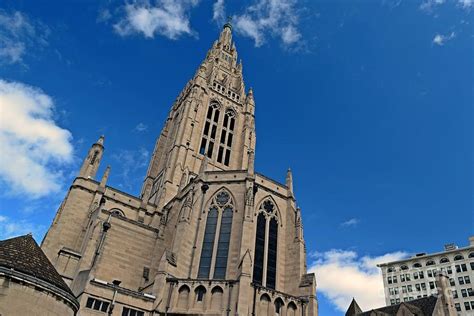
point(91, 163)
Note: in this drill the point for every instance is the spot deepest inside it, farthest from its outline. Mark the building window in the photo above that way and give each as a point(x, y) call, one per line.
point(457, 306)
point(432, 285)
point(392, 301)
point(467, 280)
point(404, 289)
point(389, 280)
point(394, 279)
point(463, 293)
point(267, 225)
point(407, 277)
point(390, 269)
point(470, 292)
point(463, 267)
point(415, 275)
point(402, 278)
point(444, 260)
point(458, 257)
point(94, 157)
point(409, 288)
point(430, 273)
point(423, 286)
point(451, 282)
point(460, 280)
point(449, 270)
point(455, 294)
point(417, 265)
point(221, 211)
point(97, 305)
point(471, 255)
point(404, 267)
point(418, 287)
point(430, 263)
point(131, 312)
point(227, 134)
point(200, 292)
point(472, 265)
point(210, 130)
point(467, 306)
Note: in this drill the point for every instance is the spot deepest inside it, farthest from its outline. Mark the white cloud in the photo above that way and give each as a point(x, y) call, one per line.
point(277, 18)
point(430, 5)
point(342, 275)
point(33, 146)
point(18, 34)
point(350, 222)
point(440, 39)
point(141, 127)
point(218, 11)
point(466, 4)
point(169, 18)
point(10, 228)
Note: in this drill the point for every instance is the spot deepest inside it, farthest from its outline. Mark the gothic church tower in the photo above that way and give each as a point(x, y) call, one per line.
point(207, 235)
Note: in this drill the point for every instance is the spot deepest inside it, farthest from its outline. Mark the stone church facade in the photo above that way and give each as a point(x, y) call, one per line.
point(207, 236)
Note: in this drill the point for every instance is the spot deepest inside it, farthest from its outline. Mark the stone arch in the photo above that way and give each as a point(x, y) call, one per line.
point(117, 212)
point(264, 306)
point(277, 209)
point(291, 311)
point(217, 295)
point(444, 260)
point(458, 257)
point(183, 297)
point(279, 306)
point(233, 200)
point(200, 297)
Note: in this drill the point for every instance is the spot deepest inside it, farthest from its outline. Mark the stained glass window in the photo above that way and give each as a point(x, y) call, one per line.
point(208, 244)
point(259, 249)
point(223, 245)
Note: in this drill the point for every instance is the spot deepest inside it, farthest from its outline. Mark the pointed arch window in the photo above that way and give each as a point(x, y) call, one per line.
point(215, 247)
point(266, 246)
point(227, 135)
point(210, 130)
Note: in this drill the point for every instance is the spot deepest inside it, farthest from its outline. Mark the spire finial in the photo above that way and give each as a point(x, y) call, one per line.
point(228, 23)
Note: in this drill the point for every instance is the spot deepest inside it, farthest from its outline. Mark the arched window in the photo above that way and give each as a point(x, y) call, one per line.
point(94, 157)
point(390, 269)
point(291, 309)
point(267, 226)
point(227, 134)
point(221, 211)
point(471, 255)
point(183, 296)
point(117, 212)
point(430, 263)
point(200, 292)
point(444, 260)
point(404, 267)
point(417, 265)
point(264, 304)
point(458, 257)
point(210, 130)
point(278, 306)
point(216, 298)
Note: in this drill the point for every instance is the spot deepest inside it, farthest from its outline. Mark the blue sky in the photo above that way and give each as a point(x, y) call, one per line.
point(369, 102)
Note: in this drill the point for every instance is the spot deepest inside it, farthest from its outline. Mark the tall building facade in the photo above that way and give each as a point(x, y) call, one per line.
point(207, 235)
point(414, 278)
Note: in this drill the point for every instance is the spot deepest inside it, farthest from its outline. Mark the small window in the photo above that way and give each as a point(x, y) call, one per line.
point(390, 269)
point(417, 265)
point(467, 306)
point(200, 292)
point(97, 305)
point(458, 257)
point(430, 263)
point(444, 260)
point(404, 267)
point(463, 292)
point(131, 312)
point(467, 280)
point(457, 306)
point(471, 255)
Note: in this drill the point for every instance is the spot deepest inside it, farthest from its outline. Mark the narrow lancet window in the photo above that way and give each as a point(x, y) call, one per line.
point(210, 130)
point(221, 211)
point(265, 271)
point(227, 134)
point(208, 244)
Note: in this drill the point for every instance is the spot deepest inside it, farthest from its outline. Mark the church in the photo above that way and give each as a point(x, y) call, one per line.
point(207, 236)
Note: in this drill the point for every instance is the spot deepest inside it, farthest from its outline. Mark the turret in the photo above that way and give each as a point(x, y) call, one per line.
point(91, 163)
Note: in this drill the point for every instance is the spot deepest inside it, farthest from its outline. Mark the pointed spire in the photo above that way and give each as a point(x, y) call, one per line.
point(92, 161)
point(225, 38)
point(105, 177)
point(353, 309)
point(100, 141)
point(289, 180)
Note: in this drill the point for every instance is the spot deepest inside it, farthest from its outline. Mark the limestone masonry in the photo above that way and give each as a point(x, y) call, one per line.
point(207, 236)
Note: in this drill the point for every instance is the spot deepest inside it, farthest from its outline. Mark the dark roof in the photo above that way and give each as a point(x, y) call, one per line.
point(425, 304)
point(24, 255)
point(353, 309)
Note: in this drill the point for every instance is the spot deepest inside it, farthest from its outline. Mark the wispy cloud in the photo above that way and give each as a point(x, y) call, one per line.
point(141, 127)
point(10, 228)
point(19, 35)
point(33, 146)
point(440, 39)
point(131, 162)
point(342, 275)
point(218, 11)
point(277, 18)
point(169, 18)
point(350, 223)
point(431, 5)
